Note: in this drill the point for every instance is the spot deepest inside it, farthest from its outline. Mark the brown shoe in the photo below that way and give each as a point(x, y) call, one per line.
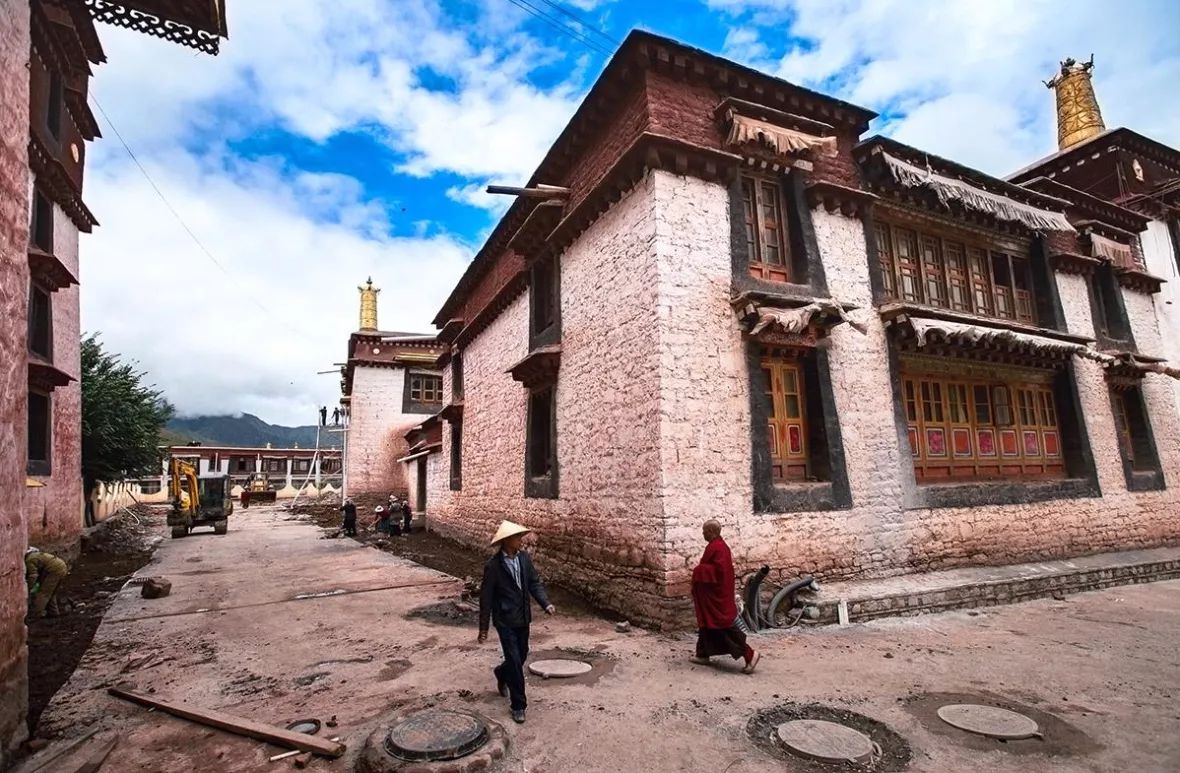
point(753, 663)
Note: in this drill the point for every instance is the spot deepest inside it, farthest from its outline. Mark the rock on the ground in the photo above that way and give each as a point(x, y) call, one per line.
point(156, 588)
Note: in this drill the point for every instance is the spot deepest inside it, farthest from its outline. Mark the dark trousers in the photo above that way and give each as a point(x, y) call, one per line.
point(515, 643)
point(723, 641)
point(350, 526)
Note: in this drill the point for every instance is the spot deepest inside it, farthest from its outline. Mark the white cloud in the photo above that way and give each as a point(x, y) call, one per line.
point(250, 338)
point(445, 96)
point(963, 79)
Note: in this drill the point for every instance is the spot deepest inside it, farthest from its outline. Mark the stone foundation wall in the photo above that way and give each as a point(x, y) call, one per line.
point(604, 531)
point(376, 431)
point(14, 284)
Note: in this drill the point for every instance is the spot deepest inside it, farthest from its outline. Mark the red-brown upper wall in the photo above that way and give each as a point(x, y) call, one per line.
point(653, 86)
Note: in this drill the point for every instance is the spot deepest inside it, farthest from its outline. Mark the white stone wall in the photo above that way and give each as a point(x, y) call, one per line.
point(1159, 252)
point(604, 530)
point(376, 431)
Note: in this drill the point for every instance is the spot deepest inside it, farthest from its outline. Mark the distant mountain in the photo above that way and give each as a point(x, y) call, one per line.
point(244, 430)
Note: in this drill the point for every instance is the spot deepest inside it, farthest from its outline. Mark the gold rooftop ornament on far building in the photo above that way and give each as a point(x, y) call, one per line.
point(369, 305)
point(1078, 116)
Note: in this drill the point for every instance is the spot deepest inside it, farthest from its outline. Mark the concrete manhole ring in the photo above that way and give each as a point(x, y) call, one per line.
point(991, 721)
point(559, 668)
point(818, 739)
point(436, 734)
point(439, 738)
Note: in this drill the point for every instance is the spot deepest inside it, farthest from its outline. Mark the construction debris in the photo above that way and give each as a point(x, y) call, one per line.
point(232, 724)
point(156, 588)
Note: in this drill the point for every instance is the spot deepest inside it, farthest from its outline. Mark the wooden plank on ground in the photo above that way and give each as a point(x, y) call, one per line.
point(232, 724)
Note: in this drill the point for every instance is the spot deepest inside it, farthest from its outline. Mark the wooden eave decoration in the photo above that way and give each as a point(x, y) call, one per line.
point(1095, 208)
point(48, 270)
point(453, 412)
point(851, 202)
point(450, 331)
point(63, 30)
point(796, 322)
point(944, 338)
point(80, 111)
point(539, 367)
point(1074, 263)
point(45, 376)
point(55, 181)
point(444, 358)
point(1138, 280)
point(198, 24)
point(529, 240)
point(891, 311)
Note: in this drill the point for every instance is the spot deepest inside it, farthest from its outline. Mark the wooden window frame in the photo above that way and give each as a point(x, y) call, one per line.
point(456, 456)
point(965, 428)
point(426, 388)
point(953, 270)
point(785, 379)
point(457, 376)
point(41, 222)
point(40, 331)
point(1136, 439)
point(42, 430)
point(540, 447)
point(762, 195)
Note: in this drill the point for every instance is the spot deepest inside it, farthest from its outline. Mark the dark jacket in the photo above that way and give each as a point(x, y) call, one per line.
point(349, 511)
point(502, 600)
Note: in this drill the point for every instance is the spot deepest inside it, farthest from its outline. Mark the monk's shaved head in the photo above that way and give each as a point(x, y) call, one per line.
point(711, 529)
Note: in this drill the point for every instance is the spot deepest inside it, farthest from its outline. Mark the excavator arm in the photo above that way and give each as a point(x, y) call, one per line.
point(182, 486)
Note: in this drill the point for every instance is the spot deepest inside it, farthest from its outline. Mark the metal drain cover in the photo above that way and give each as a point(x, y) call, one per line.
point(827, 741)
point(991, 721)
point(436, 734)
point(559, 669)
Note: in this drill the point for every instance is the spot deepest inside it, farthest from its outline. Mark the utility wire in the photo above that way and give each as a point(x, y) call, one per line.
point(561, 26)
point(196, 240)
point(581, 21)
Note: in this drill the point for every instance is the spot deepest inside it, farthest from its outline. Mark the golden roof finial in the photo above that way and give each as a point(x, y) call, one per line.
point(1078, 116)
point(369, 305)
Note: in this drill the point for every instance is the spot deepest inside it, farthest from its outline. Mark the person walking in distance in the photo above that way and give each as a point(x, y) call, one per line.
point(509, 579)
point(712, 597)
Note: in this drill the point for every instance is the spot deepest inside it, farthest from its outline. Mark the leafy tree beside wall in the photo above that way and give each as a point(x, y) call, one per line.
point(121, 419)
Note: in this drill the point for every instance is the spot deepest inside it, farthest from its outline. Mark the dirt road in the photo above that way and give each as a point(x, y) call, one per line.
point(274, 623)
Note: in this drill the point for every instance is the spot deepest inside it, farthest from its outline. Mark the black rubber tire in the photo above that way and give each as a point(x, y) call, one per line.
point(221, 527)
point(179, 531)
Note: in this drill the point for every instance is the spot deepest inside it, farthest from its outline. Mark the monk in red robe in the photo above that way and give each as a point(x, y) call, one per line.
point(713, 598)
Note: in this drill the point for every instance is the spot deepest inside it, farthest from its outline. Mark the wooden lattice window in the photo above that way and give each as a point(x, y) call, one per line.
point(787, 423)
point(924, 267)
point(425, 388)
point(885, 259)
point(767, 242)
point(40, 434)
point(967, 427)
point(40, 334)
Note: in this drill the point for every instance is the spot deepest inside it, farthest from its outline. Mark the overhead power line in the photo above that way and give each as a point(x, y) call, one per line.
point(192, 235)
point(582, 22)
point(561, 26)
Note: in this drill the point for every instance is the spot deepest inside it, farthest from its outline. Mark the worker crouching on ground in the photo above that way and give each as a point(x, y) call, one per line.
point(44, 573)
point(509, 578)
point(349, 510)
point(712, 596)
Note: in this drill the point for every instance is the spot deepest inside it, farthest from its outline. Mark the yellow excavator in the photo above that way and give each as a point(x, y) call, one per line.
point(197, 501)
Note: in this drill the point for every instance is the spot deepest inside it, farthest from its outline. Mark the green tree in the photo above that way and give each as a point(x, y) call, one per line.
point(121, 419)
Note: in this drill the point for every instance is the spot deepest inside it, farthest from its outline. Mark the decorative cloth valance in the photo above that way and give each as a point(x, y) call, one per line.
point(1116, 252)
point(949, 189)
point(779, 139)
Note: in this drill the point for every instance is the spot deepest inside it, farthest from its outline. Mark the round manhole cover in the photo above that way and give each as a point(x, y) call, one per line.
point(436, 734)
point(827, 741)
point(991, 721)
point(559, 669)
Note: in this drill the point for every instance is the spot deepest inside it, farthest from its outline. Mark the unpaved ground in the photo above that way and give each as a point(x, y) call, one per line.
point(110, 554)
point(1100, 670)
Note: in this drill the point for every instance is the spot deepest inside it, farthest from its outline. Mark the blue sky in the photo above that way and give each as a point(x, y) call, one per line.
point(336, 139)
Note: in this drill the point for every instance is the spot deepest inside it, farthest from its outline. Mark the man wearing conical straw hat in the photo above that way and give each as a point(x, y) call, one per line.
point(509, 578)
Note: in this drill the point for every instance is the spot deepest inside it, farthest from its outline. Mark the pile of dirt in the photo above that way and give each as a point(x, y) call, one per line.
point(111, 552)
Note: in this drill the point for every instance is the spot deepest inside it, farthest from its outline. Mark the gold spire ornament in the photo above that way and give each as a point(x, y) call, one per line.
point(369, 305)
point(1078, 116)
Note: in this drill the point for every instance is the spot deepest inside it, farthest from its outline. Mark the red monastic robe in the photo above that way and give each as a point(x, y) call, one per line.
point(713, 588)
